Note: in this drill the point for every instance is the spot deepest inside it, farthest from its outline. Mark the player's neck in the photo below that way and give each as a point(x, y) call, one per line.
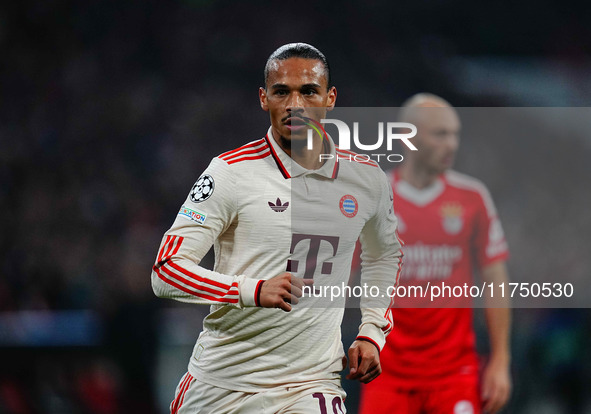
point(299, 152)
point(417, 177)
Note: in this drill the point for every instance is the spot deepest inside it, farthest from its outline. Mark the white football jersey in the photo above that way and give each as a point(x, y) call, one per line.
point(265, 214)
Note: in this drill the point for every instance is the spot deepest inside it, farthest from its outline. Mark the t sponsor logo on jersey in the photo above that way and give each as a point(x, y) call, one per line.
point(348, 205)
point(315, 240)
point(192, 215)
point(203, 188)
point(278, 207)
point(451, 218)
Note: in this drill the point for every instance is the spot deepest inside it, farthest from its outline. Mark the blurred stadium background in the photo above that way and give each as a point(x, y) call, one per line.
point(110, 110)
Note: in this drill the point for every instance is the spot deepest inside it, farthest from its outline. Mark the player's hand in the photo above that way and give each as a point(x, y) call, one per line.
point(364, 362)
point(282, 291)
point(496, 385)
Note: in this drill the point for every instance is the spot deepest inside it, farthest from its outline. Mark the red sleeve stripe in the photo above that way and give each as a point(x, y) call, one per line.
point(245, 152)
point(164, 247)
point(389, 317)
point(165, 260)
point(254, 157)
point(252, 144)
point(368, 339)
point(198, 282)
point(198, 278)
point(192, 283)
point(195, 293)
point(171, 241)
point(159, 257)
point(257, 293)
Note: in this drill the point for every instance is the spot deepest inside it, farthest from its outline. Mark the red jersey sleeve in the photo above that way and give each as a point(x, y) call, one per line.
point(489, 238)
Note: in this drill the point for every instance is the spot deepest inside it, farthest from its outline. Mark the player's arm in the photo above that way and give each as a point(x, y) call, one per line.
point(491, 253)
point(203, 217)
point(208, 211)
point(381, 261)
point(496, 379)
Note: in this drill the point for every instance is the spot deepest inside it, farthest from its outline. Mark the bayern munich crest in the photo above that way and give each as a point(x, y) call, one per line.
point(203, 189)
point(348, 205)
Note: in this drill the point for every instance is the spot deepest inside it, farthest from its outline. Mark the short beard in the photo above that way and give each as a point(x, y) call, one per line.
point(291, 144)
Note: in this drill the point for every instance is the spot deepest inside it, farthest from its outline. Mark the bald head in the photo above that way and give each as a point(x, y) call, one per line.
point(425, 100)
point(410, 112)
point(438, 128)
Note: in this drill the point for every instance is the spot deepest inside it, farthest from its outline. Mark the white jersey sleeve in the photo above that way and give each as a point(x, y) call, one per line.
point(208, 211)
point(381, 262)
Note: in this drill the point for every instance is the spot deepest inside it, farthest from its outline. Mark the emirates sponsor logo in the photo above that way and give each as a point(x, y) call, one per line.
point(430, 262)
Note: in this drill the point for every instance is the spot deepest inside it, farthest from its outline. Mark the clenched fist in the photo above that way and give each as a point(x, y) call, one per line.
point(282, 291)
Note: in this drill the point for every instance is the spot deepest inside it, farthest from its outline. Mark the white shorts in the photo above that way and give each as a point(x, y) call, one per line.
point(318, 397)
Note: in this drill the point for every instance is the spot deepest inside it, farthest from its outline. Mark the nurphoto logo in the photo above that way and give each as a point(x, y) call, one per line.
point(387, 131)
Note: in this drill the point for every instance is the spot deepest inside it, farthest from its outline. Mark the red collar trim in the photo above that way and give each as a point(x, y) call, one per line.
point(277, 159)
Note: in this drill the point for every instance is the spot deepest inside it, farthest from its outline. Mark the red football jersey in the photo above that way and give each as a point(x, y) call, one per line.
point(449, 229)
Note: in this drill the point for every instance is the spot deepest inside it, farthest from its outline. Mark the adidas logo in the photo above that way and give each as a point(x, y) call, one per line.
point(278, 207)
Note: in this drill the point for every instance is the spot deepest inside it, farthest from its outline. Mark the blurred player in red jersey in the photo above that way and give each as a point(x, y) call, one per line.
point(449, 225)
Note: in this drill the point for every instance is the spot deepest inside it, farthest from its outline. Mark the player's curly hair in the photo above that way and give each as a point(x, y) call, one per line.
point(301, 50)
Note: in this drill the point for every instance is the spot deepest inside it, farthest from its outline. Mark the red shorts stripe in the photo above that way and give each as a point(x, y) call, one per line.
point(183, 397)
point(174, 406)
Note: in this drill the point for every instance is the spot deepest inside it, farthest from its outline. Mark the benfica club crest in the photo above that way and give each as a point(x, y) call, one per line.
point(451, 218)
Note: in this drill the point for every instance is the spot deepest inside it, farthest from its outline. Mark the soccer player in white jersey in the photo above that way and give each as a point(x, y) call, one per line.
point(282, 219)
point(450, 228)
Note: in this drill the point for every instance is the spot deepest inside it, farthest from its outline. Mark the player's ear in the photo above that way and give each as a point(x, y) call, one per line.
point(263, 99)
point(332, 98)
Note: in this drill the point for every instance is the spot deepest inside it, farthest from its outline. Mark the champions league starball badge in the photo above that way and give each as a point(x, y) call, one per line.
point(203, 189)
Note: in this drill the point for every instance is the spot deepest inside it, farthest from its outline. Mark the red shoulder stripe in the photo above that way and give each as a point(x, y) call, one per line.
point(245, 152)
point(253, 157)
point(252, 144)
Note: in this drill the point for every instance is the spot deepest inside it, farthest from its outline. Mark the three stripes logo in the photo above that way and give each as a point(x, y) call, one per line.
point(349, 206)
point(278, 207)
